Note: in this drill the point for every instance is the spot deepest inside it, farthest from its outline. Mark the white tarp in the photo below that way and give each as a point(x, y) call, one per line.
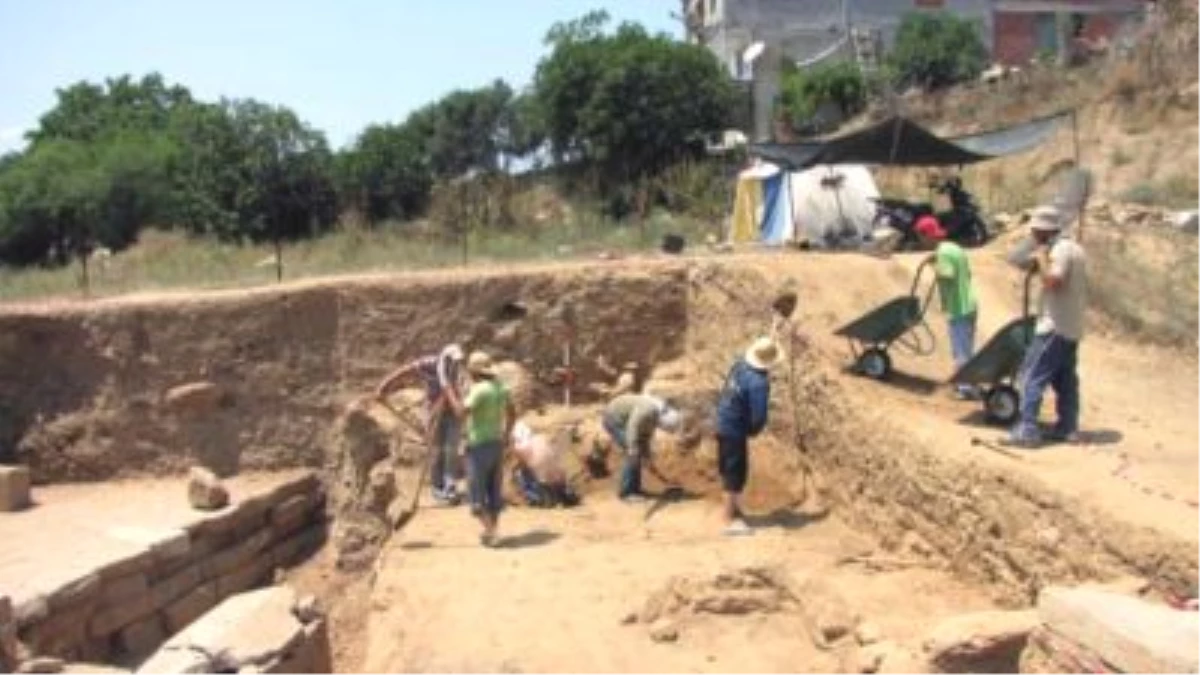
point(831, 205)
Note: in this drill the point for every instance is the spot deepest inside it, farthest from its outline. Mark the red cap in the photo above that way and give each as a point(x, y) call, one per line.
point(928, 226)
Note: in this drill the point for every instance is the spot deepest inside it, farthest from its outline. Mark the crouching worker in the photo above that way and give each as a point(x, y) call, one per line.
point(490, 418)
point(539, 474)
point(630, 421)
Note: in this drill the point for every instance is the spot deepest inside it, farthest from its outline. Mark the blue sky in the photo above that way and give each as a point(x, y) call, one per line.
point(339, 65)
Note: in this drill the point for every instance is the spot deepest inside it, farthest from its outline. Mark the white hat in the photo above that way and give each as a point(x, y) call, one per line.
point(1046, 219)
point(669, 418)
point(763, 354)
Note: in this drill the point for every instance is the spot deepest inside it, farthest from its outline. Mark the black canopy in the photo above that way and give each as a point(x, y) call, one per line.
point(902, 142)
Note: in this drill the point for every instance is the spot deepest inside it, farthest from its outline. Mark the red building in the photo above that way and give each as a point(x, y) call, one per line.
point(1026, 29)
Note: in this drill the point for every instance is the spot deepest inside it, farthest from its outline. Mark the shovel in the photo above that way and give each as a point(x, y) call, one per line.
point(399, 520)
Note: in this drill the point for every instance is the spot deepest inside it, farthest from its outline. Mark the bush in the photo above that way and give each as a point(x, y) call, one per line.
point(935, 50)
point(804, 92)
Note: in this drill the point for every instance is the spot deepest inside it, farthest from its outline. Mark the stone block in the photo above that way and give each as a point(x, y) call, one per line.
point(980, 642)
point(1131, 634)
point(164, 544)
point(109, 620)
point(172, 588)
point(14, 488)
point(295, 548)
point(8, 635)
point(140, 638)
point(246, 631)
point(253, 573)
point(31, 610)
point(135, 564)
point(235, 556)
point(60, 634)
point(81, 591)
point(45, 665)
point(123, 589)
point(190, 607)
point(206, 492)
point(290, 514)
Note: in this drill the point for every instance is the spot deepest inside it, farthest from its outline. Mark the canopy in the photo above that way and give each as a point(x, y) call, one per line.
point(902, 142)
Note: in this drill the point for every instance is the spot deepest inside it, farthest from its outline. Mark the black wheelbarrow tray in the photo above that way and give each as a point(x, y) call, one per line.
point(872, 334)
point(994, 369)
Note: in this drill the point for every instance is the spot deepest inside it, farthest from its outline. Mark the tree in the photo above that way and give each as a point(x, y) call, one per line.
point(87, 112)
point(629, 102)
point(385, 174)
point(805, 91)
point(935, 50)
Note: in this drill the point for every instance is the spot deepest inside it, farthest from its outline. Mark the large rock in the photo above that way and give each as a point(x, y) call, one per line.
point(1131, 634)
point(980, 642)
point(1186, 221)
point(8, 636)
point(14, 488)
point(206, 492)
point(258, 631)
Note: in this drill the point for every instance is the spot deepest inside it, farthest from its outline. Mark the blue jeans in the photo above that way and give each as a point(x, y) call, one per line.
point(1052, 360)
point(483, 477)
point(962, 342)
point(447, 434)
point(631, 470)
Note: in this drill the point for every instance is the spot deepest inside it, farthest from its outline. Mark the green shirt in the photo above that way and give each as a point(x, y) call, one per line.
point(954, 280)
point(487, 407)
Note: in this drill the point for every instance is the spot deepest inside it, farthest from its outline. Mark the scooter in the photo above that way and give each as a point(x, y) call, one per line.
point(963, 222)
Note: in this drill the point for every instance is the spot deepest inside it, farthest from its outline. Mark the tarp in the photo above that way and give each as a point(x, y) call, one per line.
point(902, 142)
point(825, 206)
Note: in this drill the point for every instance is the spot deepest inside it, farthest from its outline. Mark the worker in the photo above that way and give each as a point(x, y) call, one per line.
point(742, 415)
point(956, 292)
point(443, 427)
point(630, 421)
point(1053, 355)
point(539, 474)
point(490, 416)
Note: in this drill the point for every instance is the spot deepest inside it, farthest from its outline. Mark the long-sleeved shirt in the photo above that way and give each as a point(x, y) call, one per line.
point(742, 409)
point(637, 416)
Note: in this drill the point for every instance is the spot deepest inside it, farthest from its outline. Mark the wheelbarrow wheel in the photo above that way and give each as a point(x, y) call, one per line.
point(1002, 404)
point(875, 363)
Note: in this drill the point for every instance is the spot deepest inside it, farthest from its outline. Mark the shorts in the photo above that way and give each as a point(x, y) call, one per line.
point(483, 477)
point(733, 463)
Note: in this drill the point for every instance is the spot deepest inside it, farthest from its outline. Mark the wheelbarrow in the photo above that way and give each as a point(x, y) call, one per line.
point(995, 368)
point(896, 321)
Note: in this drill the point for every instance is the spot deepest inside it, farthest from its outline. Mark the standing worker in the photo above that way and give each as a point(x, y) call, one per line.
point(630, 421)
point(490, 417)
point(742, 415)
point(1053, 356)
point(443, 399)
point(956, 293)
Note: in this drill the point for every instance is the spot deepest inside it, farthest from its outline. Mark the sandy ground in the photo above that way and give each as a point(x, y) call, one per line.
point(553, 596)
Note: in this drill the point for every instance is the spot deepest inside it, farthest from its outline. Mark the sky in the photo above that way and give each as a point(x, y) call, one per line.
point(341, 65)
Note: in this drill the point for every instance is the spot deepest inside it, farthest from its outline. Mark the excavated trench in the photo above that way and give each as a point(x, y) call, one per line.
point(265, 381)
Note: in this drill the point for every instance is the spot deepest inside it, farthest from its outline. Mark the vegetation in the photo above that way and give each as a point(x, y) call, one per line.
point(935, 50)
point(804, 92)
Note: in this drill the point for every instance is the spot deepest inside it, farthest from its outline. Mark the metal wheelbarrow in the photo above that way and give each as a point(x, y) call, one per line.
point(873, 334)
point(995, 368)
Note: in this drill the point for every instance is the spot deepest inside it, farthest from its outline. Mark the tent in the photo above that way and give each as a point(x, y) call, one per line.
point(823, 205)
point(902, 142)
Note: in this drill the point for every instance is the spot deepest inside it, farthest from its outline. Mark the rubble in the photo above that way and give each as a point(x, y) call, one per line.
point(206, 492)
point(983, 641)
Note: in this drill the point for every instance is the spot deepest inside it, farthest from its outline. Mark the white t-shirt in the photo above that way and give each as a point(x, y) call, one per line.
point(538, 454)
point(1062, 308)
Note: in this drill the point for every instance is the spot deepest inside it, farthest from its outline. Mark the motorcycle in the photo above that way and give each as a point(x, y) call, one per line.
point(963, 222)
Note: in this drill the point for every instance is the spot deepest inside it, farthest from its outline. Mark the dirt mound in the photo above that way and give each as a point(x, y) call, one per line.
point(735, 592)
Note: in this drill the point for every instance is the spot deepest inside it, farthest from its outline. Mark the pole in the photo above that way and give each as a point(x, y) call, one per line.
point(1078, 167)
point(278, 258)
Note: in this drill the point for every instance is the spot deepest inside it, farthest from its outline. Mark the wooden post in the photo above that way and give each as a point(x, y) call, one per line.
point(1079, 167)
point(278, 258)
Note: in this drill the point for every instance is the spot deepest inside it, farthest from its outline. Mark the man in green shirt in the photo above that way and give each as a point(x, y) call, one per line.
point(490, 416)
point(956, 293)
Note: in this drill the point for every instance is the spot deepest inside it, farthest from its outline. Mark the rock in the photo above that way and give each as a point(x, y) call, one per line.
point(1131, 634)
point(872, 657)
point(194, 398)
point(42, 664)
point(1186, 221)
point(629, 619)
point(664, 630)
point(980, 641)
point(867, 633)
point(828, 610)
point(14, 488)
point(206, 492)
point(142, 637)
point(308, 609)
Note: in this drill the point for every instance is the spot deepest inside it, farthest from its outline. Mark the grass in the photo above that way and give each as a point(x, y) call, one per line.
point(1119, 158)
point(162, 261)
point(1178, 191)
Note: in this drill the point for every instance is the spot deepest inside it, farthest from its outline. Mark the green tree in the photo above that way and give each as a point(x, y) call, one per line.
point(935, 50)
point(803, 92)
point(87, 112)
point(385, 174)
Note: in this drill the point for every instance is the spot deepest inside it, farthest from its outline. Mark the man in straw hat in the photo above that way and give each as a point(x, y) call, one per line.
point(630, 421)
point(439, 373)
point(1053, 355)
point(490, 417)
point(742, 415)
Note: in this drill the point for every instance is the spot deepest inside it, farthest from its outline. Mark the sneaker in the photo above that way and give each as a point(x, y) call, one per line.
point(738, 528)
point(634, 498)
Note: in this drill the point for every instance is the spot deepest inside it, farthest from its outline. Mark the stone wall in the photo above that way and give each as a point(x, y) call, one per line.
point(127, 607)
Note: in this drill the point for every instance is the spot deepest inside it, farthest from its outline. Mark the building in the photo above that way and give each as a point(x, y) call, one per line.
point(1027, 29)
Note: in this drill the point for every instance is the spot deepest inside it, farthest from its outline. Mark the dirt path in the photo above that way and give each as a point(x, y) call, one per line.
point(554, 596)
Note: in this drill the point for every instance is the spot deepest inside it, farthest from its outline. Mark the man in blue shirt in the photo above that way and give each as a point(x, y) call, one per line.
point(742, 415)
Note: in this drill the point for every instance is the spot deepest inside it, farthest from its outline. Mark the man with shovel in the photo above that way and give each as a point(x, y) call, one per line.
point(439, 373)
point(741, 415)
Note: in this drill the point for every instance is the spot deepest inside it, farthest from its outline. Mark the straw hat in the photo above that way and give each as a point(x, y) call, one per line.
point(481, 364)
point(1045, 219)
point(764, 354)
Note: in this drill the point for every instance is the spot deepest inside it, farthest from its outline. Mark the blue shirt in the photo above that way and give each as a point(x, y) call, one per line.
point(742, 409)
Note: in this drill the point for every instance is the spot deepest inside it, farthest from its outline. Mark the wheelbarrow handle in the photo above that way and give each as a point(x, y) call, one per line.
point(916, 282)
point(1025, 296)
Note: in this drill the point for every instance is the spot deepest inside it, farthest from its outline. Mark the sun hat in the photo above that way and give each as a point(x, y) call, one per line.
point(481, 364)
point(763, 354)
point(1045, 219)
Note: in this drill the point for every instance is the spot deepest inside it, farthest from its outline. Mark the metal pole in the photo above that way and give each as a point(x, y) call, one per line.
point(1078, 167)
